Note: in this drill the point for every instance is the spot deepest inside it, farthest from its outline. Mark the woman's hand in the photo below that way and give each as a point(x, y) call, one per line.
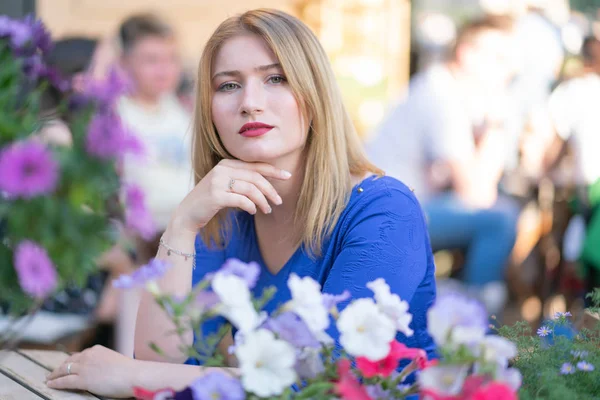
point(230, 184)
point(98, 370)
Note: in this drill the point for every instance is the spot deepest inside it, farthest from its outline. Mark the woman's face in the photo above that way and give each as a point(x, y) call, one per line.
point(253, 108)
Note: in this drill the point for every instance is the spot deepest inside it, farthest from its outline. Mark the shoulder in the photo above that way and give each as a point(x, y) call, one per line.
point(381, 201)
point(385, 191)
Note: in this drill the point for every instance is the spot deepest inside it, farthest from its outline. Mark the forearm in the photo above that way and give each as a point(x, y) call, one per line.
point(152, 375)
point(153, 324)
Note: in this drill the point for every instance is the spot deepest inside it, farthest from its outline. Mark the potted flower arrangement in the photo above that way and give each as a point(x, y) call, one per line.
point(288, 354)
point(54, 199)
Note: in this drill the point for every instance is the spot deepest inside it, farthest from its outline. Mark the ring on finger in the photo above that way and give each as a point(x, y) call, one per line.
point(69, 368)
point(231, 183)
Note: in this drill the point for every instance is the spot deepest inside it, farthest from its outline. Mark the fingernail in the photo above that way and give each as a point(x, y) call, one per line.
point(278, 200)
point(285, 174)
point(269, 210)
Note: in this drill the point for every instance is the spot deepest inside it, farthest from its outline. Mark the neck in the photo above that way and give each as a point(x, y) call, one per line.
point(145, 100)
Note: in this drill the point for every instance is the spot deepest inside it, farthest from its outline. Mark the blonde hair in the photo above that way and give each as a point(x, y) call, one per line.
point(334, 151)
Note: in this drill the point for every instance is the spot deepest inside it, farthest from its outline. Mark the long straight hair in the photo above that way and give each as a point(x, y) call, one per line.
point(334, 151)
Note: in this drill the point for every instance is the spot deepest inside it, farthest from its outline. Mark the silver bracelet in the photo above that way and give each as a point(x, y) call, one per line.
point(178, 252)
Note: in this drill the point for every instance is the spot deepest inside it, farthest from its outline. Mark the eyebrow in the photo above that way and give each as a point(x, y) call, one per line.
point(260, 68)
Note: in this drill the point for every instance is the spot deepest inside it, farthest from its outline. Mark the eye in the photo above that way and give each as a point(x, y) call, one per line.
point(228, 87)
point(276, 79)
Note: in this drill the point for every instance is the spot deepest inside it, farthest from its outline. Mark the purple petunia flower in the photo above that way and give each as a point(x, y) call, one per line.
point(207, 299)
point(27, 169)
point(39, 34)
point(150, 272)
point(107, 138)
point(332, 300)
point(585, 366)
point(291, 328)
point(452, 311)
point(107, 91)
point(137, 216)
point(20, 34)
point(567, 369)
point(36, 273)
point(544, 331)
point(249, 272)
point(34, 67)
point(217, 385)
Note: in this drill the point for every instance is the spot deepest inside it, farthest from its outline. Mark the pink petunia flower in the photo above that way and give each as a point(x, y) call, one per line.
point(36, 273)
point(27, 169)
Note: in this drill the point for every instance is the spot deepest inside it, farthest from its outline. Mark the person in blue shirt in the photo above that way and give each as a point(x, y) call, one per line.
point(282, 180)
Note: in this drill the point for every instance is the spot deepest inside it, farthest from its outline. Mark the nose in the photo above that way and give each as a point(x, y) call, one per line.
point(253, 98)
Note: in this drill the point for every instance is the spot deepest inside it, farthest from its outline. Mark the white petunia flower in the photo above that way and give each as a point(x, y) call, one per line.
point(444, 380)
point(498, 349)
point(365, 331)
point(235, 302)
point(266, 363)
point(392, 306)
point(307, 303)
point(512, 377)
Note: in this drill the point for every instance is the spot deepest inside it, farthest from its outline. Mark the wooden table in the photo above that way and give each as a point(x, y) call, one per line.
point(23, 372)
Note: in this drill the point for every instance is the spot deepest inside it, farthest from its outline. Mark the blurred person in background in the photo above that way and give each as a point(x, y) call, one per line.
point(574, 113)
point(447, 141)
point(150, 58)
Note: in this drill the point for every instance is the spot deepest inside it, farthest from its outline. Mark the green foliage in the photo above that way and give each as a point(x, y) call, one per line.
point(540, 360)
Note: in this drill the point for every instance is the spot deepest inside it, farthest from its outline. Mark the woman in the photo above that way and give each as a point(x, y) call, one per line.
point(275, 152)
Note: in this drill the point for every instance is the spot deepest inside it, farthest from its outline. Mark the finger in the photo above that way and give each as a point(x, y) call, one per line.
point(264, 169)
point(65, 382)
point(235, 200)
point(259, 181)
point(63, 368)
point(251, 191)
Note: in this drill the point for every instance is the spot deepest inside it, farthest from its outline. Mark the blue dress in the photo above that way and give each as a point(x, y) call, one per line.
point(380, 234)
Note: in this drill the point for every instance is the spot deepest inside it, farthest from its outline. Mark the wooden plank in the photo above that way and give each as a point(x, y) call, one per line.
point(30, 374)
point(11, 390)
point(49, 359)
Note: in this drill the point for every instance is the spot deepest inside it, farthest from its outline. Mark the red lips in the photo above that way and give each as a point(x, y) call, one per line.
point(254, 129)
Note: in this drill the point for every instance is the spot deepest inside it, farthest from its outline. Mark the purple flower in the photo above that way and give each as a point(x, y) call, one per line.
point(454, 310)
point(150, 272)
point(37, 275)
point(137, 217)
point(27, 169)
point(106, 92)
point(332, 300)
point(34, 67)
point(585, 366)
point(376, 392)
point(40, 35)
point(291, 328)
point(249, 272)
point(56, 80)
point(20, 34)
point(579, 353)
point(559, 314)
point(309, 363)
point(217, 385)
point(567, 369)
point(544, 331)
point(107, 138)
point(207, 299)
